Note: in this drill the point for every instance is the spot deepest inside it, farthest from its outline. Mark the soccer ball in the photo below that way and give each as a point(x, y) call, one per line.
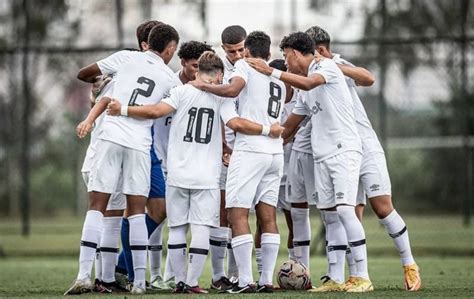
point(293, 275)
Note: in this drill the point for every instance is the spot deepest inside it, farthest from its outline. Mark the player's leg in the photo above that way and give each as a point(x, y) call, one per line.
point(203, 214)
point(289, 241)
point(177, 210)
point(257, 240)
point(378, 189)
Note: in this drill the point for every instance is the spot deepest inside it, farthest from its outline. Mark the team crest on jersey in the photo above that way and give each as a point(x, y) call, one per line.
point(315, 196)
point(316, 108)
point(339, 195)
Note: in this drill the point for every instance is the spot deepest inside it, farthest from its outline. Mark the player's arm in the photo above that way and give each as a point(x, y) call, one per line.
point(85, 126)
point(230, 90)
point(248, 127)
point(291, 125)
point(300, 82)
point(89, 73)
point(360, 75)
point(161, 109)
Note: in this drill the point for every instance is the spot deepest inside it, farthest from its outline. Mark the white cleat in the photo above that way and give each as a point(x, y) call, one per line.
point(80, 286)
point(138, 289)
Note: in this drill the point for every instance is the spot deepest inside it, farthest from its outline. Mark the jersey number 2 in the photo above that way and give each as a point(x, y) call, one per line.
point(137, 91)
point(196, 116)
point(274, 102)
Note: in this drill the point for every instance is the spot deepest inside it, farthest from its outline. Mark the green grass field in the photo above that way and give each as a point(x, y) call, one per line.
point(44, 264)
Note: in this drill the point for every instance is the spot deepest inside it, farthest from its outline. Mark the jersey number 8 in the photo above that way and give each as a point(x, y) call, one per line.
point(274, 102)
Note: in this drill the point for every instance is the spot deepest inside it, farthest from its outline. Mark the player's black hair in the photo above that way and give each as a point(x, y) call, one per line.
point(299, 41)
point(143, 31)
point(193, 50)
point(160, 37)
point(258, 43)
point(279, 64)
point(319, 36)
point(209, 63)
point(233, 35)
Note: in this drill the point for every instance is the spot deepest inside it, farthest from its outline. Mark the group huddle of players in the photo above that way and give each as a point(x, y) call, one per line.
point(225, 137)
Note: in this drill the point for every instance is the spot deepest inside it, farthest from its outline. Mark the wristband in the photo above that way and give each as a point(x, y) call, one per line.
point(124, 110)
point(265, 130)
point(276, 74)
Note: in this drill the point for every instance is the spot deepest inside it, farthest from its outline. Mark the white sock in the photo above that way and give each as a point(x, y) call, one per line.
point(242, 246)
point(218, 241)
point(198, 251)
point(351, 264)
point(291, 254)
point(270, 246)
point(232, 269)
point(397, 229)
point(98, 264)
point(138, 245)
point(177, 251)
point(301, 234)
point(356, 238)
point(168, 268)
point(109, 247)
point(90, 238)
point(155, 248)
point(336, 245)
point(258, 259)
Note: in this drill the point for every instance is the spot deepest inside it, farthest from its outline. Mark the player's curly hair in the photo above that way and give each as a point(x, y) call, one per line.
point(258, 43)
point(233, 35)
point(160, 37)
point(299, 41)
point(143, 31)
point(193, 50)
point(279, 64)
point(210, 63)
point(319, 36)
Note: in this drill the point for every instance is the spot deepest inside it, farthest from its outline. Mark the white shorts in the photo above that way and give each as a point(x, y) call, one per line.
point(113, 159)
point(336, 180)
point(283, 202)
point(196, 206)
point(374, 179)
point(223, 178)
point(117, 200)
point(301, 178)
point(253, 178)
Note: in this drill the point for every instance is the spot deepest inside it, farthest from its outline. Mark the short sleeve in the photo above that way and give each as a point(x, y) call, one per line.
point(227, 111)
point(173, 99)
point(339, 60)
point(328, 69)
point(110, 64)
point(240, 70)
point(300, 107)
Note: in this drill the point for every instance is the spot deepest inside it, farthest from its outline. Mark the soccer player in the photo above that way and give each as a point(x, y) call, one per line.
point(374, 177)
point(194, 197)
point(256, 165)
point(232, 39)
point(337, 152)
point(141, 77)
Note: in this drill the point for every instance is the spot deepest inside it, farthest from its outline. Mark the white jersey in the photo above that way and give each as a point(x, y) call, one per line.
point(142, 78)
point(332, 113)
point(228, 70)
point(287, 108)
point(302, 142)
point(106, 91)
point(195, 144)
point(261, 101)
point(370, 141)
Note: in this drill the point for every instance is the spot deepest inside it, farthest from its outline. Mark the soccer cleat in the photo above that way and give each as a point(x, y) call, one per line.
point(158, 284)
point(121, 280)
point(180, 287)
point(114, 287)
point(138, 289)
point(80, 286)
point(328, 285)
point(99, 287)
point(348, 284)
point(194, 290)
point(222, 284)
point(361, 285)
point(412, 277)
point(266, 288)
point(250, 288)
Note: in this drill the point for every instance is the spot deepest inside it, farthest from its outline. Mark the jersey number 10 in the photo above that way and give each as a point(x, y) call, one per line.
point(193, 112)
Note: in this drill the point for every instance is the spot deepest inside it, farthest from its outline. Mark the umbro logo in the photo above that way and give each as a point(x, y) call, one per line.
point(315, 196)
point(316, 108)
point(150, 62)
point(374, 187)
point(339, 195)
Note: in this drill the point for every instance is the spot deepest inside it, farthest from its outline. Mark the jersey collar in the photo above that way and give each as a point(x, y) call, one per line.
point(155, 56)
